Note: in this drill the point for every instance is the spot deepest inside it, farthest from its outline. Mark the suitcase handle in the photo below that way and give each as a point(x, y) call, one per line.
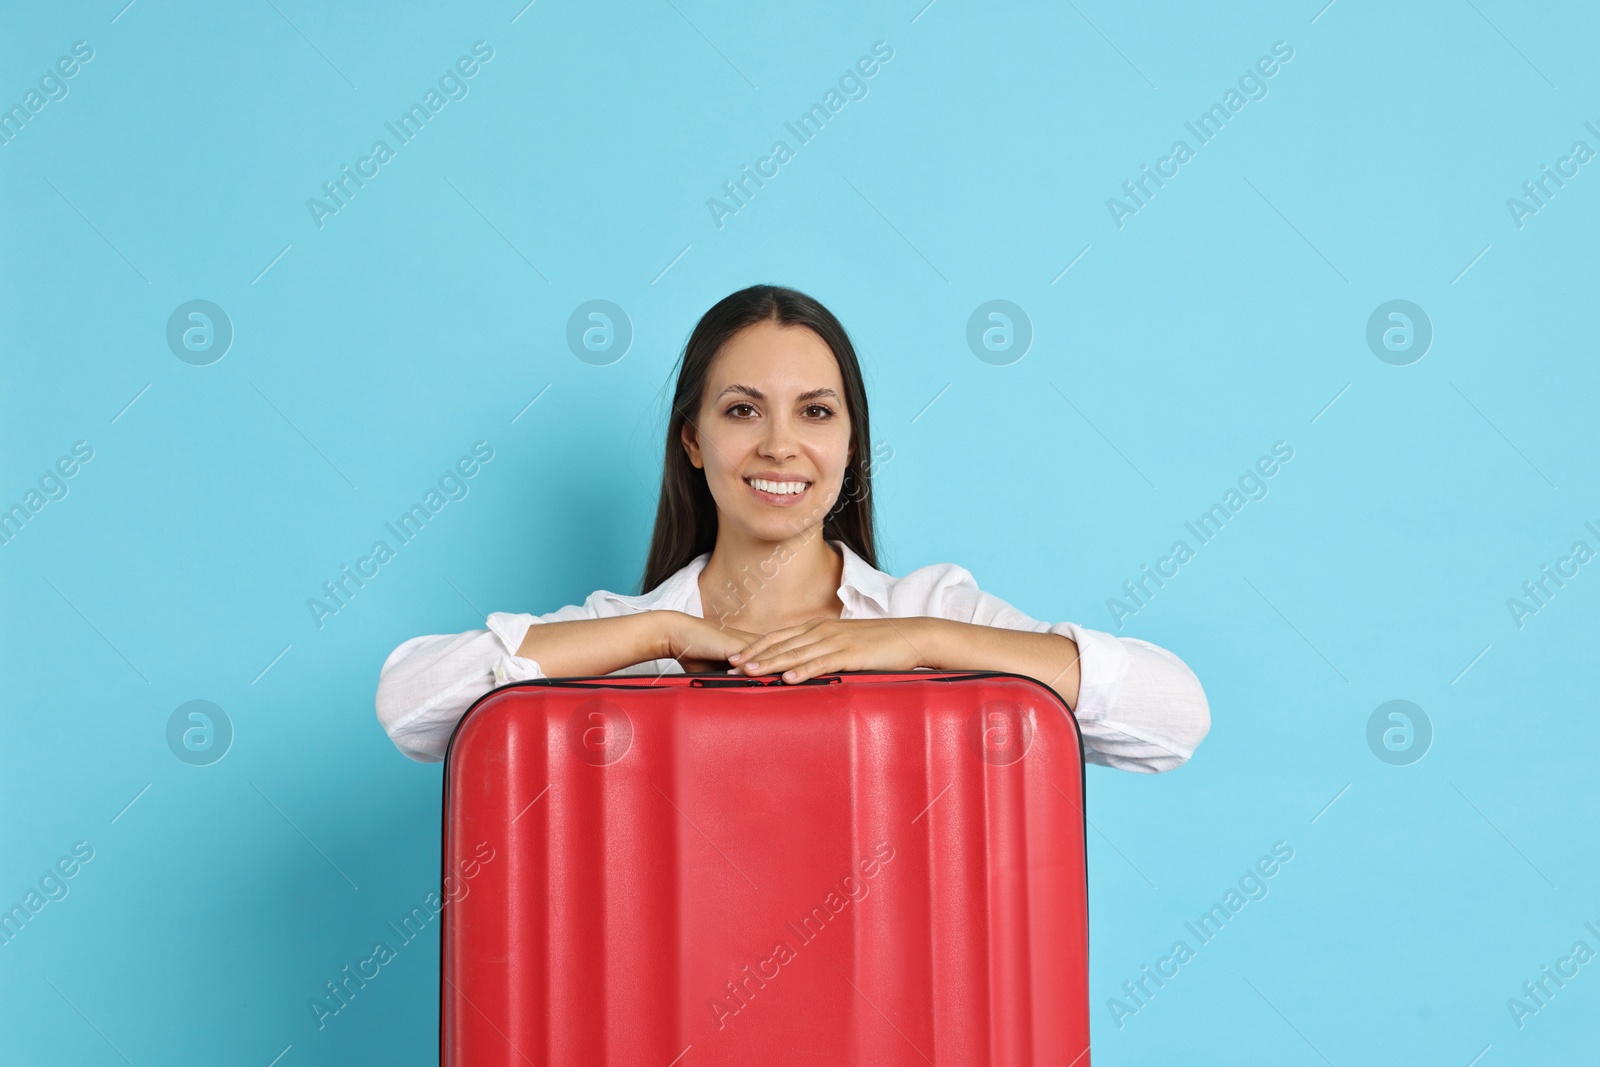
point(722, 683)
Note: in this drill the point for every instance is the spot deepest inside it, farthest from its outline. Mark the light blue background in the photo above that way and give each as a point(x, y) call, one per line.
point(1228, 314)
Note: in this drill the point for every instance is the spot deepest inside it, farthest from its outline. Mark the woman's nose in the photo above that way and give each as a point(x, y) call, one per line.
point(779, 440)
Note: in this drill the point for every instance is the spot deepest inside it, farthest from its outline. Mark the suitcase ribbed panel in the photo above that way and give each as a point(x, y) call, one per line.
point(956, 869)
point(893, 922)
point(885, 870)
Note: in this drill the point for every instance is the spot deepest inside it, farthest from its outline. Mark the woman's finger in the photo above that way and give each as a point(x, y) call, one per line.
point(759, 644)
point(763, 661)
point(828, 663)
point(777, 639)
point(782, 660)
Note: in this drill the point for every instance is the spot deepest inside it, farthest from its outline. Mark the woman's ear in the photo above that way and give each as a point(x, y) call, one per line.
point(690, 444)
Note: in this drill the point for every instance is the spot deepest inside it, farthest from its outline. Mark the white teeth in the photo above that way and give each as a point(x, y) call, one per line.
point(780, 488)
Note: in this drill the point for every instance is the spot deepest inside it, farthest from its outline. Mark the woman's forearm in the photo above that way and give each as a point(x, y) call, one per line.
point(581, 647)
point(959, 646)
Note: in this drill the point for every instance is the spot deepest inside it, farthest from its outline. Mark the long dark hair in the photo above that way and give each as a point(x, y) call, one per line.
point(686, 517)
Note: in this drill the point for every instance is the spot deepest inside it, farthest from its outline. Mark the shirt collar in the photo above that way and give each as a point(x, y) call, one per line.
point(866, 580)
point(859, 577)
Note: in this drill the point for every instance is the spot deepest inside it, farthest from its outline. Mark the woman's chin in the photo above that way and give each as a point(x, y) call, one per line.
point(779, 527)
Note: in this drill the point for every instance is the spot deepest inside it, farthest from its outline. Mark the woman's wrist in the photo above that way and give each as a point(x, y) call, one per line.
point(655, 633)
point(945, 644)
point(929, 636)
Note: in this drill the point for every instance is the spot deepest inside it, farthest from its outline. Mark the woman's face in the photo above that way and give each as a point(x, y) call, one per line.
point(773, 413)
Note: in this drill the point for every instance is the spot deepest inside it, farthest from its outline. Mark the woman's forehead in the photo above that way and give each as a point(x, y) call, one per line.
point(776, 360)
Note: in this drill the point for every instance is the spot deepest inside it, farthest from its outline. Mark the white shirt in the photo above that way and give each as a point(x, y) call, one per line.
point(1139, 706)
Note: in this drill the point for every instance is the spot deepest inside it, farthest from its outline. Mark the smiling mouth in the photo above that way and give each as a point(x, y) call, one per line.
point(777, 492)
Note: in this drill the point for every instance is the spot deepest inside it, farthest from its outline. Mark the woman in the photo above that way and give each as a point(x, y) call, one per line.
point(763, 562)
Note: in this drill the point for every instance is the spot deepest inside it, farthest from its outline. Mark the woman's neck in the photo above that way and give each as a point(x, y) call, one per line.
point(760, 586)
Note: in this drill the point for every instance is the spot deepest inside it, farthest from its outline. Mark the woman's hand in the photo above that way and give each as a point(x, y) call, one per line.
point(826, 646)
point(700, 645)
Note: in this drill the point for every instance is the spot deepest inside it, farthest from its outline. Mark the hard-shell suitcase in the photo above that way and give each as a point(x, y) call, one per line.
point(876, 867)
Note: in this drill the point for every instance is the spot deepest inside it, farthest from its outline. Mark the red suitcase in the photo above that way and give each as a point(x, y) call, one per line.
point(876, 867)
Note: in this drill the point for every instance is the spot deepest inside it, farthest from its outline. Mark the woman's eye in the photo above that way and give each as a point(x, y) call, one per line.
point(818, 412)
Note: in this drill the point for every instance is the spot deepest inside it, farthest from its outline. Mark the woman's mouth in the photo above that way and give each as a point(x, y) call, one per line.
point(778, 493)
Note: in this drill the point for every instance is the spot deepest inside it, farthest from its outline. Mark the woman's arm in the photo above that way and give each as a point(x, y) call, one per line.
point(1140, 707)
point(427, 683)
point(594, 646)
point(1051, 658)
point(602, 646)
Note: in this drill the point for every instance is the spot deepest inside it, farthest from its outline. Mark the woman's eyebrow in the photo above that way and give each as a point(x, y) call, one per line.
point(756, 394)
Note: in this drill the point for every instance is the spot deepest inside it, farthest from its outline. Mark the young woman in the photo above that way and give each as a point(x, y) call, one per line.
point(763, 562)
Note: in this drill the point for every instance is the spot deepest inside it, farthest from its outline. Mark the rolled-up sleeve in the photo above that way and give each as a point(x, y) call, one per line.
point(1140, 707)
point(427, 683)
